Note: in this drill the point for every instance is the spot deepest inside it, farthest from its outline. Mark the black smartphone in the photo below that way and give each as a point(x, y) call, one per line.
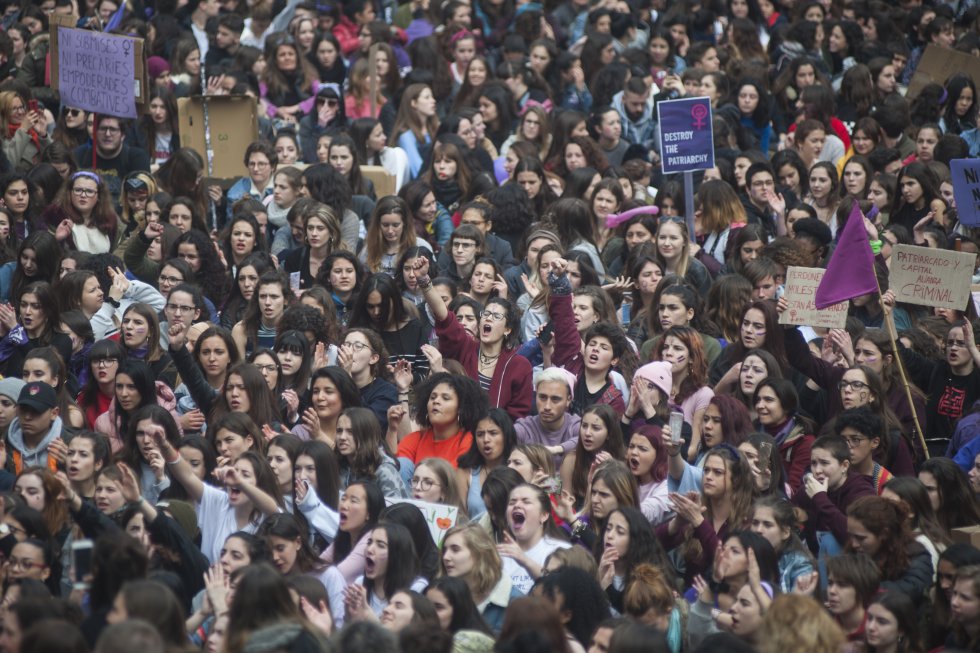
point(547, 333)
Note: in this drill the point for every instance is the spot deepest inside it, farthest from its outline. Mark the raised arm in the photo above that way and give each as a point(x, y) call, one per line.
point(180, 470)
point(438, 307)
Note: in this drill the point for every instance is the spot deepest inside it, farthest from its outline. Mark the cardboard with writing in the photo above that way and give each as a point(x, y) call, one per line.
point(384, 182)
point(801, 286)
point(931, 277)
point(102, 73)
point(234, 123)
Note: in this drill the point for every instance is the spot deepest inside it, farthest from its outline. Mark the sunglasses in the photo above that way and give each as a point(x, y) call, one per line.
point(72, 112)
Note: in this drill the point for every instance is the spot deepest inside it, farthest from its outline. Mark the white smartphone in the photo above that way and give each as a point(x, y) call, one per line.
point(81, 564)
point(676, 426)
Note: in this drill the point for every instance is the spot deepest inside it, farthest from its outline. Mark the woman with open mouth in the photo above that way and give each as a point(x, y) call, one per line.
point(360, 508)
point(88, 452)
point(627, 542)
point(493, 442)
point(532, 536)
point(600, 439)
point(251, 491)
point(492, 358)
point(269, 301)
point(390, 564)
point(289, 546)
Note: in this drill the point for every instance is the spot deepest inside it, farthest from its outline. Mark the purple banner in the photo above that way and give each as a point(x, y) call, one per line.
point(97, 72)
point(686, 138)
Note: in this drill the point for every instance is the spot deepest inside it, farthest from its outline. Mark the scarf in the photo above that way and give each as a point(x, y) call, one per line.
point(447, 192)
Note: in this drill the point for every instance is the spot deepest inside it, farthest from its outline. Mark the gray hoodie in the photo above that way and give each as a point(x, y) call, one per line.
point(39, 455)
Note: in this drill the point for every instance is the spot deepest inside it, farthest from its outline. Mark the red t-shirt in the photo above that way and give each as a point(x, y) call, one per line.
point(422, 444)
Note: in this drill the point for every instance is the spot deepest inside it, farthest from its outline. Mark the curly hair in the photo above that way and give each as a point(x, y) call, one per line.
point(471, 399)
point(889, 522)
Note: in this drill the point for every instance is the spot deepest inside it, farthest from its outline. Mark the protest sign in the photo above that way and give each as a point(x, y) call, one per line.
point(801, 286)
point(686, 136)
point(931, 277)
point(98, 72)
point(439, 517)
point(939, 64)
point(966, 189)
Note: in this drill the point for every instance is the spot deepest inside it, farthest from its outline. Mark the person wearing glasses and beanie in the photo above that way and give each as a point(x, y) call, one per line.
point(115, 159)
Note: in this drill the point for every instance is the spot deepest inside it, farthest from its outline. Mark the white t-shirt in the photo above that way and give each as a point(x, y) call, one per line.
point(217, 519)
point(519, 576)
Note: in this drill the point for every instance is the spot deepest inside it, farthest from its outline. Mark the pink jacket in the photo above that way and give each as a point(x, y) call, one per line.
point(106, 422)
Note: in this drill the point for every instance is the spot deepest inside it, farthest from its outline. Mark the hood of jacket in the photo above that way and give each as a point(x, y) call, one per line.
point(15, 436)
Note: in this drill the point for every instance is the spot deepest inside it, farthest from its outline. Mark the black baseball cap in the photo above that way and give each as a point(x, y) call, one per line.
point(39, 396)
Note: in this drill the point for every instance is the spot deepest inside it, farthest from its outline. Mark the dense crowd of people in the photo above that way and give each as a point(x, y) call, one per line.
point(445, 368)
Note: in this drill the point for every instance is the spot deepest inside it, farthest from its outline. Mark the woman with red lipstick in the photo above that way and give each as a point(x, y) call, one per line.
point(99, 388)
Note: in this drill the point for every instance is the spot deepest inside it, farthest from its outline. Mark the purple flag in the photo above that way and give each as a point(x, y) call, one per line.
point(851, 270)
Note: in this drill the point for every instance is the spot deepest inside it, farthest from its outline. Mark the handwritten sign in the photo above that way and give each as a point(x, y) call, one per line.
point(966, 189)
point(438, 516)
point(97, 72)
point(931, 277)
point(686, 137)
point(801, 285)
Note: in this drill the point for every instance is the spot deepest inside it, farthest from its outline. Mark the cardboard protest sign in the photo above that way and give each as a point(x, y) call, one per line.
point(931, 277)
point(438, 516)
point(966, 189)
point(99, 72)
point(801, 286)
point(234, 123)
point(939, 64)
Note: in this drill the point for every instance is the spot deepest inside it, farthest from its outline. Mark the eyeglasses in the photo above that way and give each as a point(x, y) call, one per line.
point(960, 344)
point(106, 362)
point(267, 369)
point(26, 565)
point(180, 309)
point(493, 315)
point(358, 346)
point(84, 192)
point(258, 164)
point(107, 129)
point(855, 441)
point(857, 385)
point(168, 279)
point(20, 108)
point(463, 245)
point(424, 484)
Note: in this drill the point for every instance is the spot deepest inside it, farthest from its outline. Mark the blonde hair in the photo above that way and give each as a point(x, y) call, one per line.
point(447, 478)
point(799, 623)
point(539, 457)
point(575, 556)
point(487, 565)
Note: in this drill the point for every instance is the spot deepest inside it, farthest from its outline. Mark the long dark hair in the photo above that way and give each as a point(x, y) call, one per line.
point(144, 380)
point(466, 616)
point(343, 545)
point(47, 257)
point(403, 563)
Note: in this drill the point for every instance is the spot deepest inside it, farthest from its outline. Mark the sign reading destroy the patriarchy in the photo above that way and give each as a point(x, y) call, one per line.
point(687, 141)
point(97, 72)
point(931, 277)
point(801, 286)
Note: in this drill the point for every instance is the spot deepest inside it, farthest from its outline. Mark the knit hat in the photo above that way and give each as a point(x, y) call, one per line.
point(182, 513)
point(11, 387)
point(156, 66)
point(657, 373)
point(542, 233)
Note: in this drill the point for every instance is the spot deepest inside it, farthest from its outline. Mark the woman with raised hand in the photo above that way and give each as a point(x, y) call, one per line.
point(499, 370)
point(251, 493)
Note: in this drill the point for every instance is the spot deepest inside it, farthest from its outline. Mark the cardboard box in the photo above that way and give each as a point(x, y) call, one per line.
point(938, 65)
point(234, 123)
point(384, 183)
point(967, 535)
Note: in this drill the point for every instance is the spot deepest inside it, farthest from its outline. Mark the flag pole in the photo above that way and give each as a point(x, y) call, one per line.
point(893, 336)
